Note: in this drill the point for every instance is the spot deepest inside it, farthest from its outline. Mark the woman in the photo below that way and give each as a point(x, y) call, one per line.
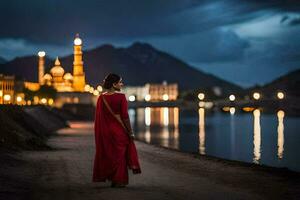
point(115, 148)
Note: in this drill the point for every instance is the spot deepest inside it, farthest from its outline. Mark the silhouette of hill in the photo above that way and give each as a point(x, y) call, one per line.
point(138, 64)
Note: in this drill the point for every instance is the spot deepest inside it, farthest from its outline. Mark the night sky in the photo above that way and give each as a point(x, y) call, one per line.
point(247, 42)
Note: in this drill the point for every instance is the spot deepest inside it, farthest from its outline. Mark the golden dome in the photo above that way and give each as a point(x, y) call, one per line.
point(68, 76)
point(47, 77)
point(57, 70)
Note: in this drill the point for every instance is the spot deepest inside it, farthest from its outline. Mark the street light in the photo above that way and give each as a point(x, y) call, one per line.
point(201, 96)
point(232, 97)
point(6, 97)
point(44, 101)
point(147, 97)
point(280, 95)
point(165, 97)
point(41, 53)
point(131, 98)
point(256, 95)
point(19, 99)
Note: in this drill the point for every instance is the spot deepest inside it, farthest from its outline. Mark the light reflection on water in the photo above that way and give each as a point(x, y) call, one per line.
point(247, 137)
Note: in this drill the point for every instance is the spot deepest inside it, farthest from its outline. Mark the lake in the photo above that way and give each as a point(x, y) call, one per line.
point(253, 137)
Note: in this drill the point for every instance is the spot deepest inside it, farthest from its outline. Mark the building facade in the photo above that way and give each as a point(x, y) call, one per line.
point(57, 77)
point(153, 92)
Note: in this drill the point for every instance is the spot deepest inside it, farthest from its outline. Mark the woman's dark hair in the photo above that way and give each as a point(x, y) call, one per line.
point(110, 79)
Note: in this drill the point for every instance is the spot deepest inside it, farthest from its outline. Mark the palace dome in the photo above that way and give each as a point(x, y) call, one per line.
point(57, 70)
point(68, 76)
point(47, 77)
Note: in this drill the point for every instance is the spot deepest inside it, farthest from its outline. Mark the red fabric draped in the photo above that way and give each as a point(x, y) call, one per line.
point(115, 151)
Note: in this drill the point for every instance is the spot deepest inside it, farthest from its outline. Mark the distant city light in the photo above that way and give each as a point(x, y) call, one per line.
point(201, 104)
point(96, 92)
point(280, 114)
point(19, 99)
point(201, 96)
point(256, 95)
point(35, 99)
point(91, 90)
point(148, 97)
point(44, 101)
point(87, 88)
point(232, 110)
point(99, 88)
point(131, 98)
point(165, 97)
point(50, 101)
point(29, 102)
point(232, 97)
point(248, 109)
point(280, 95)
point(6, 97)
point(77, 41)
point(41, 53)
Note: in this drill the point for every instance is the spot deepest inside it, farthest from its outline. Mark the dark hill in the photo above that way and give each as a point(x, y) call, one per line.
point(138, 64)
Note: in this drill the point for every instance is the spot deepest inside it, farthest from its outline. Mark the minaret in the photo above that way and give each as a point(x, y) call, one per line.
point(78, 73)
point(41, 70)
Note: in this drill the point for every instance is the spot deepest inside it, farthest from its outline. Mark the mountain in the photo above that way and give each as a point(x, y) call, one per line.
point(138, 64)
point(23, 67)
point(2, 60)
point(289, 83)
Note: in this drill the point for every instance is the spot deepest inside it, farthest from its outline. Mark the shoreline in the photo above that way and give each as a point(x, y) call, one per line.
point(228, 161)
point(65, 171)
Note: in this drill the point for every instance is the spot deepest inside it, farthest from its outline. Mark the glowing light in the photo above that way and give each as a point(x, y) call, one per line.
point(232, 110)
point(6, 97)
point(35, 99)
point(44, 101)
point(256, 95)
point(41, 53)
point(99, 88)
point(131, 98)
point(29, 102)
point(148, 97)
point(201, 113)
point(232, 97)
point(201, 104)
point(165, 97)
point(201, 96)
point(91, 90)
point(19, 99)
point(50, 101)
point(1, 93)
point(148, 116)
point(166, 116)
point(248, 109)
point(77, 41)
point(87, 88)
point(96, 92)
point(226, 109)
point(257, 136)
point(280, 95)
point(280, 132)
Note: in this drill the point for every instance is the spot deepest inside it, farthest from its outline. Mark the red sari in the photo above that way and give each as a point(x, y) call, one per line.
point(115, 151)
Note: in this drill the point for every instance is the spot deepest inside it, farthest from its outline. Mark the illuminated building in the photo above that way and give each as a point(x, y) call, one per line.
point(7, 84)
point(159, 92)
point(57, 77)
point(152, 92)
point(10, 90)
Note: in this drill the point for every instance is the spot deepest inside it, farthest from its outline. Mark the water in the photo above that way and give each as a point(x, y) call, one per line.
point(254, 137)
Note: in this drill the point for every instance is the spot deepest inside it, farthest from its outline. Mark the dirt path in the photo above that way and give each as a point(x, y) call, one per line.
point(65, 173)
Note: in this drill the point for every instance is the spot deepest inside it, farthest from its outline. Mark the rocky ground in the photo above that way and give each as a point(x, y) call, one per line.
point(65, 171)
